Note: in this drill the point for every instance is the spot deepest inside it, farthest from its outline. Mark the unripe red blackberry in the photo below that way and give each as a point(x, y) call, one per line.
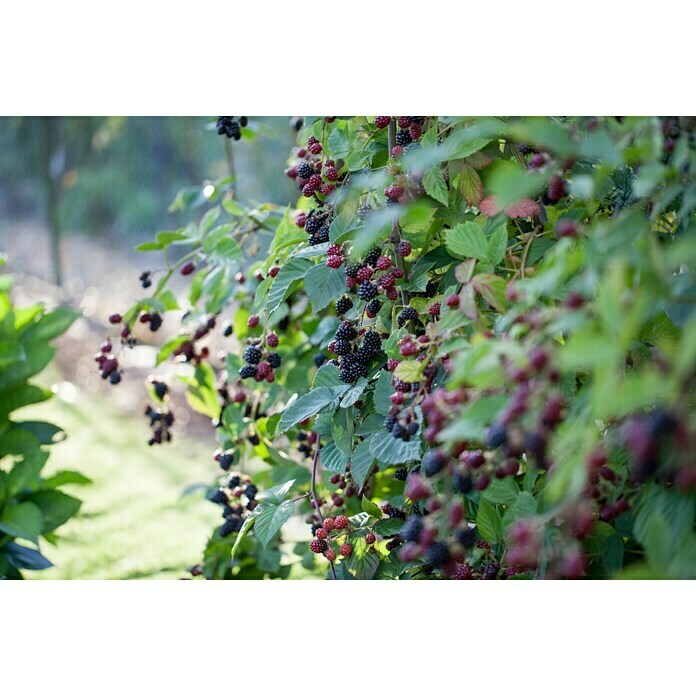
point(403, 122)
point(315, 148)
point(253, 321)
point(308, 190)
point(330, 555)
point(537, 161)
point(370, 538)
point(434, 309)
point(341, 522)
point(403, 248)
point(300, 220)
point(318, 545)
point(566, 227)
point(115, 319)
point(397, 151)
point(382, 121)
point(364, 273)
point(392, 364)
point(188, 268)
point(392, 294)
point(334, 250)
point(315, 181)
point(394, 192)
point(331, 173)
point(321, 533)
point(334, 261)
point(329, 524)
point(452, 301)
point(383, 263)
point(556, 188)
point(345, 550)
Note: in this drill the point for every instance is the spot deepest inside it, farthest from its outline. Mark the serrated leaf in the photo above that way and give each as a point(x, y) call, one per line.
point(306, 406)
point(23, 520)
point(270, 519)
point(434, 184)
point(489, 523)
point(504, 491)
point(371, 508)
point(470, 185)
point(323, 285)
point(354, 393)
point(409, 371)
point(383, 390)
point(388, 449)
point(362, 461)
point(497, 242)
point(293, 270)
point(467, 240)
point(492, 288)
point(332, 459)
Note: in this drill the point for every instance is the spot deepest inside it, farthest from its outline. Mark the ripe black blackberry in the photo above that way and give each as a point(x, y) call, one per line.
point(323, 235)
point(253, 355)
point(363, 355)
point(373, 307)
point(372, 342)
point(345, 332)
point(363, 211)
point(462, 483)
point(349, 374)
point(246, 371)
point(401, 474)
point(372, 256)
point(352, 270)
point(227, 331)
point(407, 314)
point(233, 481)
point(342, 347)
point(219, 497)
point(304, 171)
point(343, 305)
point(398, 431)
point(412, 428)
point(466, 537)
point(389, 423)
point(225, 461)
point(319, 359)
point(250, 491)
point(431, 288)
point(367, 291)
point(145, 280)
point(160, 389)
point(274, 360)
point(412, 529)
point(490, 572)
point(403, 138)
point(438, 554)
point(313, 223)
point(434, 462)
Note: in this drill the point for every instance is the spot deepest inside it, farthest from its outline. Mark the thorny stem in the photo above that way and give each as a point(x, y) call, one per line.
point(313, 491)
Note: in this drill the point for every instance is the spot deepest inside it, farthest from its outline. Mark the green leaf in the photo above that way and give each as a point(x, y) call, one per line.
point(658, 542)
point(492, 288)
point(323, 285)
point(470, 185)
point(434, 184)
point(293, 270)
point(64, 478)
point(497, 241)
point(385, 447)
point(270, 519)
point(342, 431)
point(23, 520)
point(354, 393)
point(327, 376)
point(24, 558)
point(25, 473)
point(489, 523)
point(306, 406)
point(362, 462)
point(51, 325)
point(56, 507)
point(371, 508)
point(467, 240)
point(11, 352)
point(332, 459)
point(409, 371)
point(504, 491)
point(276, 494)
point(383, 391)
point(612, 554)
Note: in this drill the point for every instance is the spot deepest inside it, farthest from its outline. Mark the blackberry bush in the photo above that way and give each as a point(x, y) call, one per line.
point(486, 342)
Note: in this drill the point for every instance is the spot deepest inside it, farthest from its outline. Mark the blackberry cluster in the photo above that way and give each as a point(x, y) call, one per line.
point(161, 421)
point(259, 362)
point(316, 225)
point(237, 497)
point(407, 314)
point(354, 360)
point(187, 351)
point(230, 126)
point(145, 280)
point(108, 363)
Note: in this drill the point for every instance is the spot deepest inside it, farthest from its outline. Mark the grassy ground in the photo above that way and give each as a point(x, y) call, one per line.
point(134, 522)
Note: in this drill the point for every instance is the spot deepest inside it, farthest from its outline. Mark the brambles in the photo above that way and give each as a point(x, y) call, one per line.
point(474, 384)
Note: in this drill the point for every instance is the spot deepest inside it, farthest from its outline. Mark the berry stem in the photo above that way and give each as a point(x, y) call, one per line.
point(395, 236)
point(313, 491)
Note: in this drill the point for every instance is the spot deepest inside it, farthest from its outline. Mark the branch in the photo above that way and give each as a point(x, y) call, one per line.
point(312, 490)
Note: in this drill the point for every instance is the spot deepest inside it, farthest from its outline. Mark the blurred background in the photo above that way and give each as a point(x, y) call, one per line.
point(77, 194)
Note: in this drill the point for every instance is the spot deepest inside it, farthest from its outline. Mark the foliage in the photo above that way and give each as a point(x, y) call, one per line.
point(31, 505)
point(518, 402)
